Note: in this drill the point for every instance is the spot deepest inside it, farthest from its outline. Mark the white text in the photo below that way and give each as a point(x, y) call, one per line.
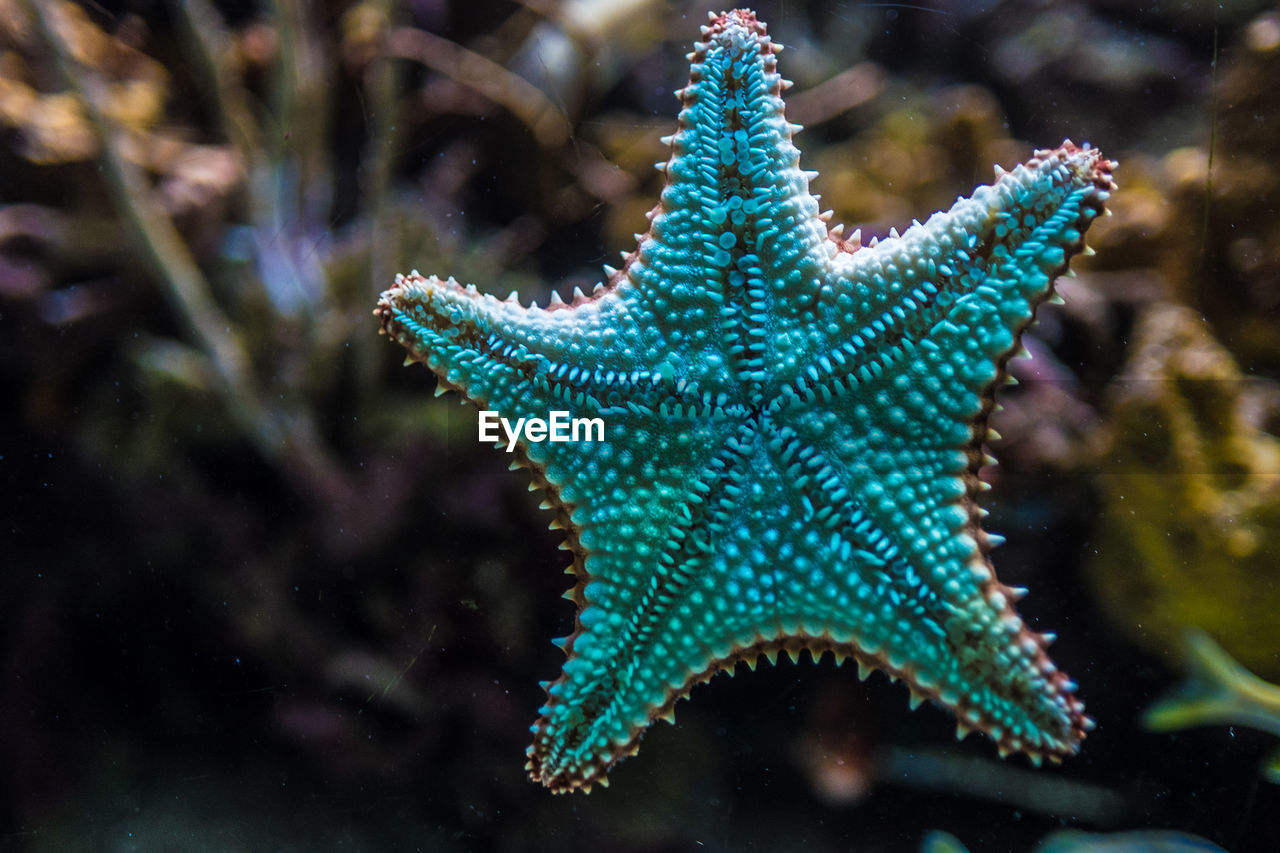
point(559, 427)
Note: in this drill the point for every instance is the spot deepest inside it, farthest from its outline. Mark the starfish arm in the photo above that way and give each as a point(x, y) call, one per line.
point(519, 360)
point(917, 596)
point(926, 299)
point(643, 562)
point(736, 224)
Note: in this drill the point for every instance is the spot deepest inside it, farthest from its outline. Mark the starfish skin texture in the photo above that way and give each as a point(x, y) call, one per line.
point(794, 427)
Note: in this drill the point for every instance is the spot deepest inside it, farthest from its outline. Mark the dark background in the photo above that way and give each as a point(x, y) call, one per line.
point(258, 590)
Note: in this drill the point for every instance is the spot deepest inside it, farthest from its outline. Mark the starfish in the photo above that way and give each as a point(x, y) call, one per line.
point(793, 428)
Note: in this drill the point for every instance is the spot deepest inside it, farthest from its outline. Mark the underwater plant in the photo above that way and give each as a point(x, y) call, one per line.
point(1218, 691)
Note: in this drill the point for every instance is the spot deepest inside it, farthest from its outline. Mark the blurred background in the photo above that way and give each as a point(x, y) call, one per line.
point(260, 591)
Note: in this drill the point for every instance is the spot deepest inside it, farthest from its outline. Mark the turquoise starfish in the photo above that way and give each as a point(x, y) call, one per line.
point(793, 428)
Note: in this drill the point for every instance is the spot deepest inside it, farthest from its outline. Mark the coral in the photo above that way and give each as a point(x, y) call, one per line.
point(1189, 528)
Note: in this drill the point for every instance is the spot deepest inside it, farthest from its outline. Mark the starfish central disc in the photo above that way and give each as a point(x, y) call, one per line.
point(793, 428)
